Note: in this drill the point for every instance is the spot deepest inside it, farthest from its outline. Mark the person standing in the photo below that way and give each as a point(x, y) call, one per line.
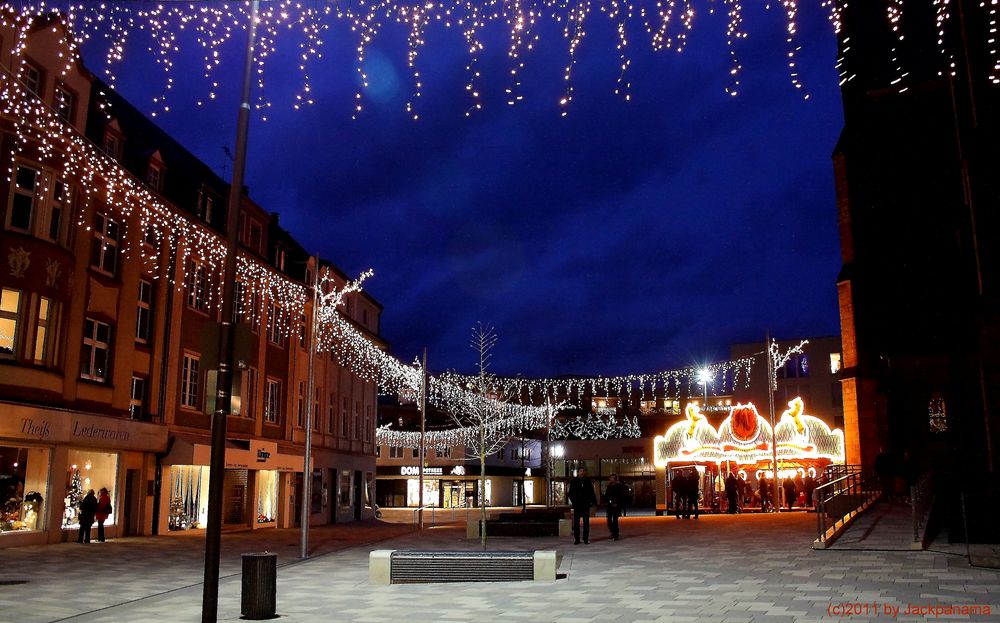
point(582, 497)
point(809, 485)
point(693, 493)
point(88, 510)
point(680, 497)
point(732, 494)
point(790, 492)
point(615, 497)
point(103, 512)
point(764, 491)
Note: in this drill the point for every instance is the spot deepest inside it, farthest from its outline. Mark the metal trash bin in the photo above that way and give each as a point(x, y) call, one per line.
point(260, 577)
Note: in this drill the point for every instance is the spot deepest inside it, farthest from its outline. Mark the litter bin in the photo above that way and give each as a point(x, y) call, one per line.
point(260, 577)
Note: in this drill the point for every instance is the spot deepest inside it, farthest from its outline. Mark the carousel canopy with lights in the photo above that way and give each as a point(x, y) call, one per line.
point(745, 438)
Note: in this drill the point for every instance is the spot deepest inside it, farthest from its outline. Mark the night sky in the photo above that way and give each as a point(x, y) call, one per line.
point(626, 237)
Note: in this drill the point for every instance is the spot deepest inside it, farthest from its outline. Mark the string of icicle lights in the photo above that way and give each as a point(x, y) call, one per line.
point(167, 30)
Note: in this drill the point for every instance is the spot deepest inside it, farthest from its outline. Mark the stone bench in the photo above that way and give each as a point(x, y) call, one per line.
point(520, 527)
point(410, 567)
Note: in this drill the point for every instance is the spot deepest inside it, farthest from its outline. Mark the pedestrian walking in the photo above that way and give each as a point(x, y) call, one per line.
point(809, 485)
point(615, 497)
point(88, 510)
point(679, 489)
point(103, 512)
point(582, 497)
point(764, 491)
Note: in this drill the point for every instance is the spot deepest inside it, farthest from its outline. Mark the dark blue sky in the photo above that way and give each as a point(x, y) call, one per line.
point(622, 238)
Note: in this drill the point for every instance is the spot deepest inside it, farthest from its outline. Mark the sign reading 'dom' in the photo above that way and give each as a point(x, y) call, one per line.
point(412, 470)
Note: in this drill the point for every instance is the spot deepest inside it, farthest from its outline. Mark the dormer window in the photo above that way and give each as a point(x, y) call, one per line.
point(154, 176)
point(279, 259)
point(206, 205)
point(31, 76)
point(113, 141)
point(64, 102)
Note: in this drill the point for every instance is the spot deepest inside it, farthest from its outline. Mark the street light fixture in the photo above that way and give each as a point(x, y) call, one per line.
point(704, 376)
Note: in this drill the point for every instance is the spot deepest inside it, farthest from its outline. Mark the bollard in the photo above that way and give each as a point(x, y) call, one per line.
point(260, 576)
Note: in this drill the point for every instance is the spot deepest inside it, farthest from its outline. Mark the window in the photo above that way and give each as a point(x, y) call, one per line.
point(272, 401)
point(256, 307)
point(368, 422)
point(835, 363)
point(837, 395)
point(104, 246)
point(274, 334)
point(31, 76)
point(395, 453)
point(205, 206)
point(343, 419)
point(357, 420)
point(316, 411)
point(10, 316)
point(302, 404)
point(42, 337)
point(331, 415)
point(302, 331)
point(415, 453)
point(364, 316)
point(112, 144)
point(143, 312)
point(500, 454)
point(96, 360)
point(136, 397)
point(197, 285)
point(64, 103)
point(239, 292)
point(444, 453)
point(190, 380)
point(154, 176)
point(61, 201)
point(255, 236)
point(378, 451)
point(22, 206)
point(248, 404)
point(150, 237)
point(279, 259)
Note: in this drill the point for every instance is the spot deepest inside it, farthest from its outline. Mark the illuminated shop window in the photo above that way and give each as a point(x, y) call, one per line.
point(24, 489)
point(267, 496)
point(188, 497)
point(86, 471)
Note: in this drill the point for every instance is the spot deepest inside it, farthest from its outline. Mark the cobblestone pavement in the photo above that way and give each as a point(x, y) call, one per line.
point(721, 568)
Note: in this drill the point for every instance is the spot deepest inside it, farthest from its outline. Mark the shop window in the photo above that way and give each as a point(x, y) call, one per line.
point(143, 312)
point(267, 496)
point(95, 363)
point(64, 103)
point(24, 489)
point(345, 492)
point(431, 496)
point(104, 245)
point(248, 402)
point(272, 401)
point(21, 215)
point(137, 397)
point(190, 381)
point(835, 363)
point(188, 497)
point(10, 321)
point(89, 471)
point(196, 282)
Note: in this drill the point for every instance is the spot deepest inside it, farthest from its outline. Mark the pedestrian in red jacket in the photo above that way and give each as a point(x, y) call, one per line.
point(103, 511)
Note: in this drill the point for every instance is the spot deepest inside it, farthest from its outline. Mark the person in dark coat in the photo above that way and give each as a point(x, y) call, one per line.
point(615, 497)
point(680, 485)
point(733, 494)
point(88, 510)
point(764, 490)
point(103, 512)
point(809, 485)
point(693, 492)
point(790, 492)
point(582, 497)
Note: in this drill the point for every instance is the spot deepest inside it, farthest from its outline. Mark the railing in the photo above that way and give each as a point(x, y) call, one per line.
point(921, 500)
point(437, 511)
point(841, 500)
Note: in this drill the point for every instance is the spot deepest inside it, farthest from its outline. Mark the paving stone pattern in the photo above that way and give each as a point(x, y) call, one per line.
point(721, 568)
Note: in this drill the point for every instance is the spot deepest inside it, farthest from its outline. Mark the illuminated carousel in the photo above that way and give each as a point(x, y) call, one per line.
point(742, 445)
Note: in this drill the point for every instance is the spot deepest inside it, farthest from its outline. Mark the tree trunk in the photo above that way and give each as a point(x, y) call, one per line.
point(482, 485)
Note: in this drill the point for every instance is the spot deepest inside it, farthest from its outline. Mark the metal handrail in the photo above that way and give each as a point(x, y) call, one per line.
point(921, 499)
point(847, 495)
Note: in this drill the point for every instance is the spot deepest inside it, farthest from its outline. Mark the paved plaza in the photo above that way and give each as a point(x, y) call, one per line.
point(720, 568)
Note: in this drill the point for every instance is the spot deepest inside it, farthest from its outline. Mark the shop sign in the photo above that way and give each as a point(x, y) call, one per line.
point(413, 470)
point(46, 426)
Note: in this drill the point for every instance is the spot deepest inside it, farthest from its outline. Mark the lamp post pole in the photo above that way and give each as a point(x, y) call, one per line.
point(224, 383)
point(771, 386)
point(310, 413)
point(423, 448)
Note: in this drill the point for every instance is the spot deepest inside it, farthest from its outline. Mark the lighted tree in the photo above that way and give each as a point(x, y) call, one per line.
point(482, 409)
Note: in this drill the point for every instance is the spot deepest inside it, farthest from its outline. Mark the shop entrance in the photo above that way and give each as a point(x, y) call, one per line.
point(332, 499)
point(235, 496)
point(130, 522)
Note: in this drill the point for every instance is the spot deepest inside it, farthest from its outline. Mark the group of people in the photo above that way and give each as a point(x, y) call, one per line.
point(686, 493)
point(740, 493)
point(582, 497)
point(93, 508)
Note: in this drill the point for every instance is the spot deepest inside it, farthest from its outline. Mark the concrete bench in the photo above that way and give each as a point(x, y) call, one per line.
point(523, 525)
point(410, 567)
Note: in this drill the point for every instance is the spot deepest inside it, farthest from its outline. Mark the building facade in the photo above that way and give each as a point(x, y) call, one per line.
point(110, 319)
